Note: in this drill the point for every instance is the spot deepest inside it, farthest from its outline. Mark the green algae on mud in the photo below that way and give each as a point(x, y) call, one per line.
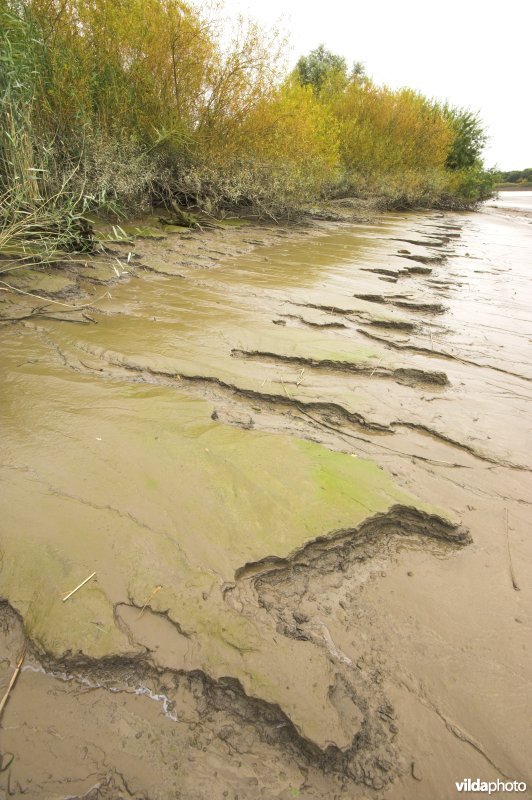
point(155, 226)
point(141, 485)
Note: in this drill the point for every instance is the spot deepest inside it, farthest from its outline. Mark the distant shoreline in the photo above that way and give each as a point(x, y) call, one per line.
point(513, 187)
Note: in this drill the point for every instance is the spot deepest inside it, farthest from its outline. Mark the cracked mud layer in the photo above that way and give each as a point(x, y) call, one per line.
point(304, 498)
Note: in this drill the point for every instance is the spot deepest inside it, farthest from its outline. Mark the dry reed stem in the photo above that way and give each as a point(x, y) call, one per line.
point(13, 680)
point(79, 586)
point(152, 595)
point(510, 564)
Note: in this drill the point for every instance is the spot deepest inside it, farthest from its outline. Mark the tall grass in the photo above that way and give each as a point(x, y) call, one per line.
point(40, 216)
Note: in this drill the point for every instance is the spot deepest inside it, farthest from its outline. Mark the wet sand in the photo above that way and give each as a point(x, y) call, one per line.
point(298, 460)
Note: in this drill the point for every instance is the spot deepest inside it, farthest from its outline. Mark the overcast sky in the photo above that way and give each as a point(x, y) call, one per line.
point(474, 53)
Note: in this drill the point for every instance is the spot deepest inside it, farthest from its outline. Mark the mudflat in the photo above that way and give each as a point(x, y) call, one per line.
point(298, 462)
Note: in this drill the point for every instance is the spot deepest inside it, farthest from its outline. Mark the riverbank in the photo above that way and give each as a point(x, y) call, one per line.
point(297, 460)
point(121, 250)
point(515, 215)
point(516, 205)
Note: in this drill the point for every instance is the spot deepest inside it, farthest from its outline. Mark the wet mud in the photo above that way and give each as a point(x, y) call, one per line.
point(305, 494)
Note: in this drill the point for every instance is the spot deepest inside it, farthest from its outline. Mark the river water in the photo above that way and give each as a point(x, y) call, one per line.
point(519, 201)
point(298, 461)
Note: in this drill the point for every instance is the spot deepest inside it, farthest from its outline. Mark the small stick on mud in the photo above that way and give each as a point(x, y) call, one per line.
point(79, 586)
point(13, 679)
point(285, 390)
point(510, 564)
point(143, 609)
point(431, 341)
point(376, 368)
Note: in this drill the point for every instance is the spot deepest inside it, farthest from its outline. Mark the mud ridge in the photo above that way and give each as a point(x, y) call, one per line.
point(175, 380)
point(299, 593)
point(399, 520)
point(425, 429)
point(299, 318)
point(407, 376)
point(162, 272)
point(225, 698)
point(276, 399)
point(401, 302)
point(393, 273)
point(320, 407)
point(403, 325)
point(432, 308)
point(418, 270)
point(397, 325)
point(355, 418)
point(341, 413)
point(423, 259)
point(451, 231)
point(429, 308)
point(439, 354)
point(436, 242)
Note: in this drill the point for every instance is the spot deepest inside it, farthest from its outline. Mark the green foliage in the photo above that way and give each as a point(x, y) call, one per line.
point(469, 138)
point(18, 172)
point(473, 184)
point(321, 67)
point(468, 181)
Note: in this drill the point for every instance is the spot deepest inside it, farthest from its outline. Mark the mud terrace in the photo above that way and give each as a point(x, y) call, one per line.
point(298, 460)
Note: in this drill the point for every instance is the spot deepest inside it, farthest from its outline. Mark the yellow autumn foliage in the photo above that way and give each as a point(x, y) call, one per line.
point(144, 99)
point(390, 130)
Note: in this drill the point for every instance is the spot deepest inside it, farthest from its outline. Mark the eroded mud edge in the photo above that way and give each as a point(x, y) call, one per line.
point(399, 520)
point(136, 674)
point(372, 758)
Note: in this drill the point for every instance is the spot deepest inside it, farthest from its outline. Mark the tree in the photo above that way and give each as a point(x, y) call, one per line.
point(358, 71)
point(319, 67)
point(469, 137)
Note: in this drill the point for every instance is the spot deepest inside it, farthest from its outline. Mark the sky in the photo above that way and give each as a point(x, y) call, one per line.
point(474, 53)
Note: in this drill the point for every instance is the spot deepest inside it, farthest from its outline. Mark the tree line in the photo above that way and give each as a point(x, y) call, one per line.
point(115, 105)
point(516, 176)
